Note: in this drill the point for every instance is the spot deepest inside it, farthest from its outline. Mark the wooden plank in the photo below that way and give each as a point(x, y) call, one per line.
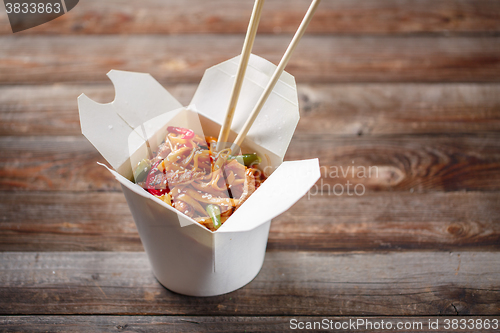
point(184, 58)
point(382, 109)
point(52, 163)
point(414, 163)
point(234, 324)
point(390, 221)
point(64, 221)
point(402, 163)
point(280, 16)
point(290, 283)
point(53, 109)
point(336, 109)
point(67, 221)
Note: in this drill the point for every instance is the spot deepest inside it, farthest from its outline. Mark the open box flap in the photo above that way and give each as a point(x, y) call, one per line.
point(274, 127)
point(287, 184)
point(140, 191)
point(120, 129)
point(109, 127)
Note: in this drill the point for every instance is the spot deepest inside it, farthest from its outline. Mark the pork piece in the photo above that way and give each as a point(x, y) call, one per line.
point(175, 178)
point(158, 181)
point(163, 151)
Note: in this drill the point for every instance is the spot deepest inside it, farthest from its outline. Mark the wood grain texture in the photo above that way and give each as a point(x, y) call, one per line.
point(64, 221)
point(399, 163)
point(315, 283)
point(395, 109)
point(334, 109)
point(415, 163)
point(280, 16)
point(409, 88)
point(231, 324)
point(63, 164)
point(174, 58)
point(53, 110)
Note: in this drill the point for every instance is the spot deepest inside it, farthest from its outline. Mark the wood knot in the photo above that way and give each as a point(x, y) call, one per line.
point(458, 308)
point(455, 229)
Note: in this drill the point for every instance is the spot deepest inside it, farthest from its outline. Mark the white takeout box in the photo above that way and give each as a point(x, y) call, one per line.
point(186, 257)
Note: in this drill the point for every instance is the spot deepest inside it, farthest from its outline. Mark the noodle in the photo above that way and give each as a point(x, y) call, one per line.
point(186, 174)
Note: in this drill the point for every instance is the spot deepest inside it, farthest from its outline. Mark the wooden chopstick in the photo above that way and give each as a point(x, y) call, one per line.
point(245, 56)
point(276, 75)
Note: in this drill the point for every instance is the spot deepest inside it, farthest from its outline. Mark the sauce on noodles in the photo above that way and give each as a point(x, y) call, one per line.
point(187, 173)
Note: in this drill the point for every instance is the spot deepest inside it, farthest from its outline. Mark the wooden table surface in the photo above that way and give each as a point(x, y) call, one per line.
point(409, 87)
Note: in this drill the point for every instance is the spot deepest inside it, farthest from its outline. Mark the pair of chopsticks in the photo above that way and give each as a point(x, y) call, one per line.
point(245, 55)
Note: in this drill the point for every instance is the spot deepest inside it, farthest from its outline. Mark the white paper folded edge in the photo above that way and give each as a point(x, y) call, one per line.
point(140, 98)
point(274, 127)
point(288, 183)
point(276, 195)
point(118, 130)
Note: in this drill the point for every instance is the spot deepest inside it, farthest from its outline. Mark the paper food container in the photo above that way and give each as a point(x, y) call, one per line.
point(186, 257)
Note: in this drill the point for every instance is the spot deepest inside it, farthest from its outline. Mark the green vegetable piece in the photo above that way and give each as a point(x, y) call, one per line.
point(247, 159)
point(142, 170)
point(214, 212)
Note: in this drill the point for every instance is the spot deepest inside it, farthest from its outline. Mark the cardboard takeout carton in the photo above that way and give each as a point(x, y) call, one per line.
point(186, 257)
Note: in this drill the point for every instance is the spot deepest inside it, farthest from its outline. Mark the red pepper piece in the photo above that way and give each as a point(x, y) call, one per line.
point(186, 133)
point(157, 192)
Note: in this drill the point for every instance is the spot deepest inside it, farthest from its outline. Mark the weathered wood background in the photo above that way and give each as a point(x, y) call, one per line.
point(409, 87)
